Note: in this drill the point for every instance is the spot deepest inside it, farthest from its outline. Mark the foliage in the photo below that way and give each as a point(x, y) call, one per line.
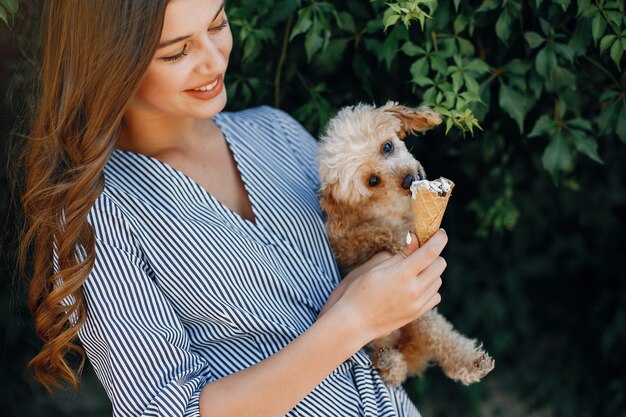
point(7, 9)
point(533, 95)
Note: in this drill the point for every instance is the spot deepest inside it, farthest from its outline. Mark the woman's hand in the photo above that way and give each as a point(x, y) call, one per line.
point(351, 276)
point(390, 291)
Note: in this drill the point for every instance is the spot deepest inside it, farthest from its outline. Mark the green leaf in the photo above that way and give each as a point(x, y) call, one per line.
point(566, 51)
point(460, 23)
point(581, 39)
point(534, 39)
point(605, 120)
point(328, 61)
point(438, 63)
point(303, 24)
point(488, 5)
point(546, 27)
point(580, 124)
point(374, 26)
point(563, 79)
point(11, 6)
point(410, 49)
point(564, 3)
point(544, 125)
point(429, 96)
point(466, 47)
point(478, 66)
point(419, 68)
point(517, 67)
point(481, 108)
point(620, 129)
point(449, 124)
point(606, 42)
point(471, 84)
point(557, 156)
point(583, 6)
point(3, 15)
point(503, 26)
point(616, 53)
point(422, 81)
point(312, 43)
point(608, 95)
point(615, 17)
point(390, 20)
point(346, 22)
point(450, 99)
point(457, 81)
point(598, 26)
point(514, 104)
point(586, 145)
point(545, 62)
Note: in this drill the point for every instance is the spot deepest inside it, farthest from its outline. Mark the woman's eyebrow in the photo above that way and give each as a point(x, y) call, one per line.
point(180, 38)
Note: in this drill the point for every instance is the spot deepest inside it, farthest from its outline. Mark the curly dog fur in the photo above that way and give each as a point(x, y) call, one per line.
point(365, 172)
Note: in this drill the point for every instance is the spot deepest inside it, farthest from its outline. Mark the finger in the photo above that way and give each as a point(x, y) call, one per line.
point(425, 255)
point(432, 302)
point(412, 244)
point(432, 271)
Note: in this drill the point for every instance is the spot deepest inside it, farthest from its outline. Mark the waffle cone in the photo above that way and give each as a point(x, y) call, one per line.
point(428, 209)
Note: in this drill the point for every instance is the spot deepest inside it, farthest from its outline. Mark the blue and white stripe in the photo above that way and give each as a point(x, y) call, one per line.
point(185, 291)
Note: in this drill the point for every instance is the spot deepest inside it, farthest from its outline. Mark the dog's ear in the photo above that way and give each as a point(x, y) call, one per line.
point(333, 212)
point(412, 120)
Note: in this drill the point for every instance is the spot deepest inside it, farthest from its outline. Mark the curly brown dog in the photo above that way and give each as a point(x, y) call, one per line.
point(366, 172)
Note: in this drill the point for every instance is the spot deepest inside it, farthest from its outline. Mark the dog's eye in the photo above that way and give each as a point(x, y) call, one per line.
point(374, 181)
point(388, 148)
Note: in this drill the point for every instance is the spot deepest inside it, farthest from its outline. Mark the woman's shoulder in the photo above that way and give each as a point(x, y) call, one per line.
point(109, 208)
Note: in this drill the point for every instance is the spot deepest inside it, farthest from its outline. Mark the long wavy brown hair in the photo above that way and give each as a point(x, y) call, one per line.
point(94, 54)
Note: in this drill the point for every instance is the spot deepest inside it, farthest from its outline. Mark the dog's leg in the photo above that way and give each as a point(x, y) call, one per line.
point(433, 337)
point(361, 242)
point(387, 360)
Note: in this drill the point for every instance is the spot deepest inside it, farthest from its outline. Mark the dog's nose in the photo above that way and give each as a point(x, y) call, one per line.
point(407, 181)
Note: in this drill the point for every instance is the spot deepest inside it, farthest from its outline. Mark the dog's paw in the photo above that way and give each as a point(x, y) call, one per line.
point(391, 366)
point(484, 364)
point(479, 367)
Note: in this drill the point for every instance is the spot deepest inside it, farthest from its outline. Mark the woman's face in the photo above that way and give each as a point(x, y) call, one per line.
point(193, 53)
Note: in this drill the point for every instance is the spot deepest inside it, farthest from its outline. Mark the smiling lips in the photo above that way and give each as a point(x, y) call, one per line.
point(208, 86)
point(208, 91)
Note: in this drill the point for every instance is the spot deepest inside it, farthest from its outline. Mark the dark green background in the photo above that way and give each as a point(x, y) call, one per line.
point(537, 248)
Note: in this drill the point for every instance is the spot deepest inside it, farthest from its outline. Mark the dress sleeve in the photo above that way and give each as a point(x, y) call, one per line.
point(302, 143)
point(134, 339)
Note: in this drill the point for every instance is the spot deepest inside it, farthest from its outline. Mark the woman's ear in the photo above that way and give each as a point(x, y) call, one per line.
point(412, 120)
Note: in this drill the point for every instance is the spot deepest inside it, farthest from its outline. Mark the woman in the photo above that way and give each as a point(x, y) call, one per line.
point(184, 246)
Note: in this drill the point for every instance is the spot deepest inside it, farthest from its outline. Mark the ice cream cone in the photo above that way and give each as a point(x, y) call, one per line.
point(429, 202)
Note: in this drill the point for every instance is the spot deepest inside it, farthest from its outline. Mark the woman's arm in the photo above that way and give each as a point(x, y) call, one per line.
point(275, 385)
point(392, 293)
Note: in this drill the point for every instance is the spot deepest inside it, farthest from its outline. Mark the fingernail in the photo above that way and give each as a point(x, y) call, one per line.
point(409, 239)
point(444, 230)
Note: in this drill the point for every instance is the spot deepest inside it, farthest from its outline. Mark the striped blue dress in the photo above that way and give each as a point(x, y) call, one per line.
point(185, 291)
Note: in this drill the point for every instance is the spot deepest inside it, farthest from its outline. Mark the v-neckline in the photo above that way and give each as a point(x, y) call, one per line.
point(218, 205)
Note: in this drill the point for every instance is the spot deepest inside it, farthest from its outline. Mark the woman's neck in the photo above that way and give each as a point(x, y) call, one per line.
point(163, 136)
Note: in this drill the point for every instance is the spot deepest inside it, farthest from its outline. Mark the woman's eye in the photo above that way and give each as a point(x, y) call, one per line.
point(387, 148)
point(185, 51)
point(177, 56)
point(221, 26)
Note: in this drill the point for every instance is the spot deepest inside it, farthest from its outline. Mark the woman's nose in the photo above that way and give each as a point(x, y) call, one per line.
point(212, 57)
